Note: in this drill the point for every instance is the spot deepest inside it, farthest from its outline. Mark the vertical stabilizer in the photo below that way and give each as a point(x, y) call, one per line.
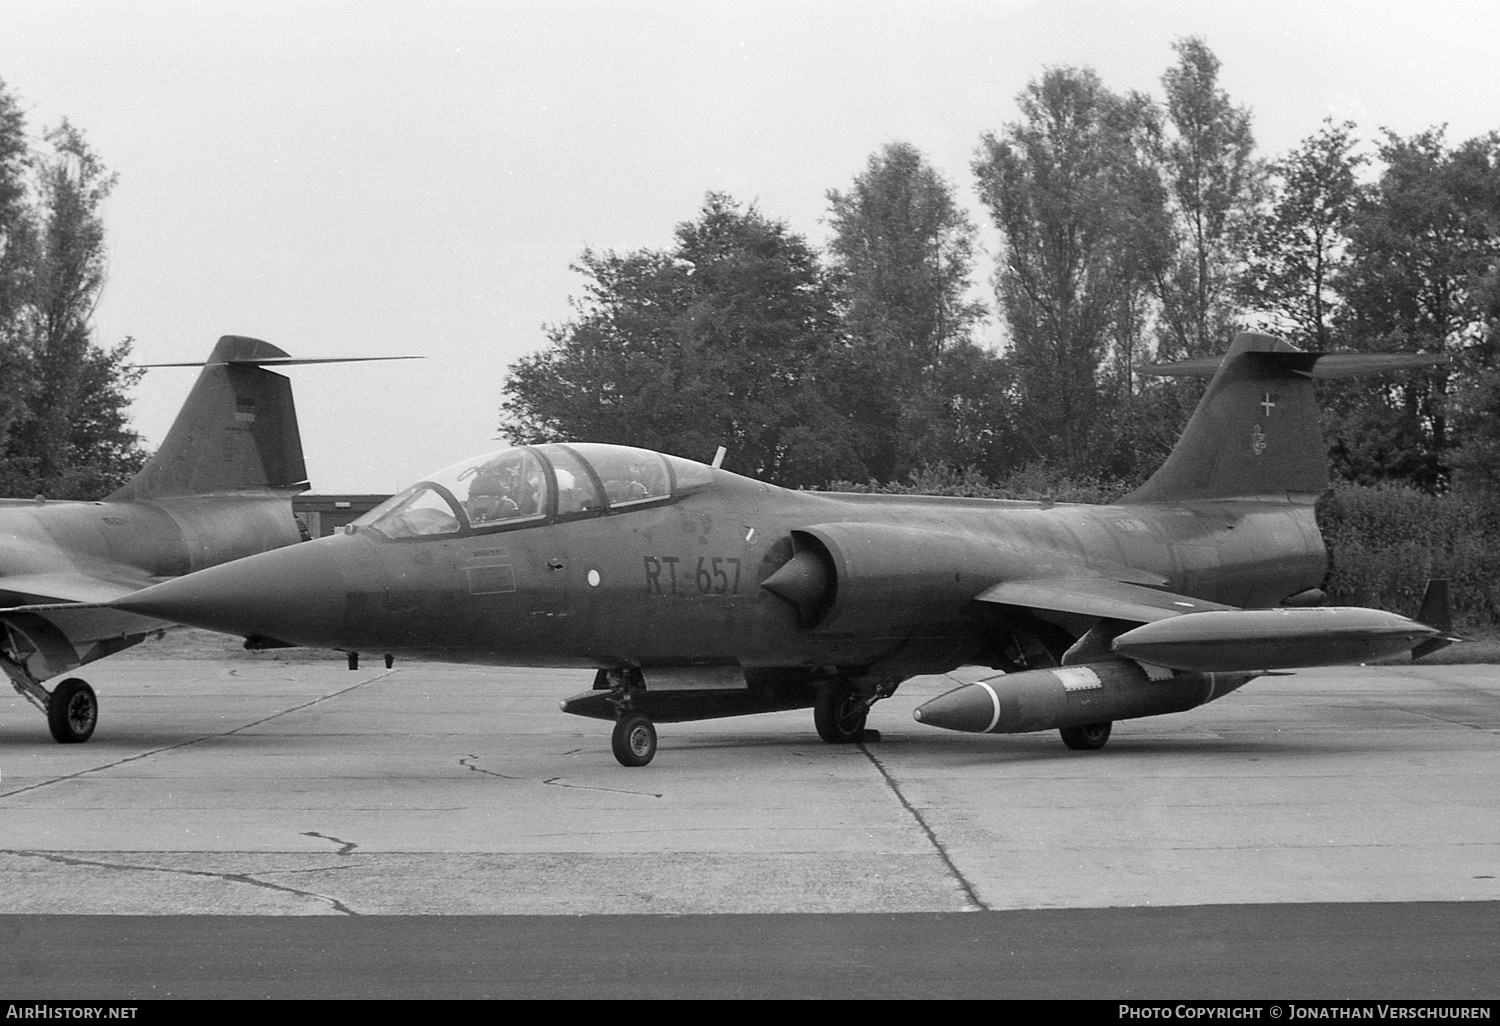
point(1255, 434)
point(237, 431)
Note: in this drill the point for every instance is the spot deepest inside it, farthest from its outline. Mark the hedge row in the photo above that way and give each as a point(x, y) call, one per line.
point(1385, 543)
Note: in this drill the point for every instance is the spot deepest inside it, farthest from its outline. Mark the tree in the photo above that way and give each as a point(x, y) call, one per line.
point(1213, 181)
point(1423, 243)
point(1297, 249)
point(1066, 187)
point(17, 250)
point(729, 338)
point(63, 428)
point(903, 251)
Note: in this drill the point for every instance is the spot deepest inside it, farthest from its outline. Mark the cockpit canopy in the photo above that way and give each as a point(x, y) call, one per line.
point(533, 484)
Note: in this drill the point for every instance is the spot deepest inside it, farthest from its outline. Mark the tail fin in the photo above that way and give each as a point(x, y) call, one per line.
point(1256, 432)
point(236, 432)
point(1437, 614)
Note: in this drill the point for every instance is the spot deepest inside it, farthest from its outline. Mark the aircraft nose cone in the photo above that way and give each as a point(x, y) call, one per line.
point(296, 595)
point(974, 708)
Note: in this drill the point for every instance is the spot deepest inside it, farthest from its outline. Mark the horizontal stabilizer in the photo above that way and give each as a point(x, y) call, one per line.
point(279, 361)
point(1312, 365)
point(1096, 596)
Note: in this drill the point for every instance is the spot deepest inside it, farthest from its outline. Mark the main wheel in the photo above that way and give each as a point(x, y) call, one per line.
point(634, 739)
point(839, 712)
point(72, 712)
point(1087, 738)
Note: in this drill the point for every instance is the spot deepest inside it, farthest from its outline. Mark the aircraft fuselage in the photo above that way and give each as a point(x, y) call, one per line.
point(679, 584)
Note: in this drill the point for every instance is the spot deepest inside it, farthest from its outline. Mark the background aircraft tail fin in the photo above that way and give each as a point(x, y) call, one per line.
point(1257, 432)
point(236, 432)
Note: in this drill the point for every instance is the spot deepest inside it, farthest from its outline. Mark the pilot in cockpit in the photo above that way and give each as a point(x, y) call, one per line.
point(493, 495)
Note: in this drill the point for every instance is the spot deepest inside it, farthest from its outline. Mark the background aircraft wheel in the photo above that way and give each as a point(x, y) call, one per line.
point(634, 739)
point(839, 712)
point(1086, 738)
point(72, 712)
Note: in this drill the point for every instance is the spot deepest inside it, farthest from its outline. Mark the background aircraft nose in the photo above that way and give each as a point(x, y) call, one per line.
point(296, 595)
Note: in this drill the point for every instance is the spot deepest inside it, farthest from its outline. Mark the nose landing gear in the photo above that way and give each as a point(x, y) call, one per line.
point(633, 739)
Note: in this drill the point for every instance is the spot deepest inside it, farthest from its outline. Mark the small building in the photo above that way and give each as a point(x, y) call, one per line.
point(323, 515)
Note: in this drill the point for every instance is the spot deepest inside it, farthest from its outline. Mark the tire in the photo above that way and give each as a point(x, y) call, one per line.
point(72, 712)
point(634, 739)
point(839, 712)
point(1087, 738)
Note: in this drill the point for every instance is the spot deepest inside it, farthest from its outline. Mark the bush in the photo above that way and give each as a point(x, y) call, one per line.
point(1032, 483)
point(1385, 542)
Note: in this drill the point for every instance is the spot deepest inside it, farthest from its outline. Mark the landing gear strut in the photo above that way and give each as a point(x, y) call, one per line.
point(634, 738)
point(71, 708)
point(841, 707)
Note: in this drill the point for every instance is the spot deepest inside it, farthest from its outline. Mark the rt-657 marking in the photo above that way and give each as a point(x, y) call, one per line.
point(711, 575)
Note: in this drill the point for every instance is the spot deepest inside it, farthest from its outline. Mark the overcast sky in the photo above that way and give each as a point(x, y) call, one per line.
point(384, 177)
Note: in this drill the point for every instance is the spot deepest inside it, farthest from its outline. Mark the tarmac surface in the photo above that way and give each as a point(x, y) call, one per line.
point(1330, 833)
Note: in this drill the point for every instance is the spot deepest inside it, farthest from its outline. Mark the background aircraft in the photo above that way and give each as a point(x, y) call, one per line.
point(696, 593)
point(220, 487)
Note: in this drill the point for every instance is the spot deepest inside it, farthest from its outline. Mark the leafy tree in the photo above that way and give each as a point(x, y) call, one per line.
point(1297, 249)
point(63, 430)
point(903, 251)
point(1423, 244)
point(1213, 180)
point(1068, 190)
point(17, 247)
point(728, 338)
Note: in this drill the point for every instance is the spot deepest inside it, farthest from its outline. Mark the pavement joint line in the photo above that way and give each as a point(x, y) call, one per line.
point(190, 741)
point(244, 878)
point(975, 902)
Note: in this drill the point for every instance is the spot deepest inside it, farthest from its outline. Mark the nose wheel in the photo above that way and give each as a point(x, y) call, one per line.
point(634, 739)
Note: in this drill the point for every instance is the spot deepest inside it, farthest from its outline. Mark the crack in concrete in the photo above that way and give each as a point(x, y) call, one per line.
point(242, 878)
point(559, 782)
point(553, 781)
point(975, 902)
point(191, 741)
point(348, 846)
point(466, 764)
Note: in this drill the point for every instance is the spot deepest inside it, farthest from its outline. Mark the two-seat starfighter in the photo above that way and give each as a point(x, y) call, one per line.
point(696, 593)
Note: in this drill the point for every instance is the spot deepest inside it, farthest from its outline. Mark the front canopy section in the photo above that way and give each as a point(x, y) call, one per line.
point(529, 485)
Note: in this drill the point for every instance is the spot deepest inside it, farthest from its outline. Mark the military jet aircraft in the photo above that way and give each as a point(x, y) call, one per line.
point(696, 593)
point(219, 488)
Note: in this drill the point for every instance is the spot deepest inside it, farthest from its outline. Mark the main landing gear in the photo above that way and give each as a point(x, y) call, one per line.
point(72, 712)
point(1087, 738)
point(71, 708)
point(842, 706)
